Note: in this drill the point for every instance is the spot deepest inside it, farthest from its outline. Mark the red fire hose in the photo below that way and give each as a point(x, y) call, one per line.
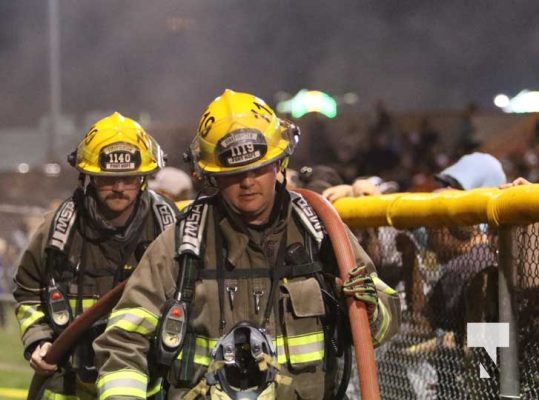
point(65, 341)
point(357, 311)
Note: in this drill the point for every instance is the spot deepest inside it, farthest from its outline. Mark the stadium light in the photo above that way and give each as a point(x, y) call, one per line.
point(526, 101)
point(307, 101)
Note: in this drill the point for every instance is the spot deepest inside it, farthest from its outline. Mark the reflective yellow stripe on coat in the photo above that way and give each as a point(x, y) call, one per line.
point(300, 349)
point(87, 302)
point(136, 320)
point(128, 383)
point(50, 395)
point(28, 315)
point(296, 350)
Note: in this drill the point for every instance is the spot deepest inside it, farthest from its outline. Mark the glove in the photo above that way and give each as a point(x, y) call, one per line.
point(361, 285)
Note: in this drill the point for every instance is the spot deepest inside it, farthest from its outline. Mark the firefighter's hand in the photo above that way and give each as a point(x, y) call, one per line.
point(361, 285)
point(38, 363)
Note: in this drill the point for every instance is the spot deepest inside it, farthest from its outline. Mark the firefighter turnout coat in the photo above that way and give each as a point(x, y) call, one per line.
point(82, 259)
point(235, 267)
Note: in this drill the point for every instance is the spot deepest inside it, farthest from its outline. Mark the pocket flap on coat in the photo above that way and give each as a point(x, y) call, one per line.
point(305, 297)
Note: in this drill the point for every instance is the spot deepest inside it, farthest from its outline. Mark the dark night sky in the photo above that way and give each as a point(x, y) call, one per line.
point(170, 58)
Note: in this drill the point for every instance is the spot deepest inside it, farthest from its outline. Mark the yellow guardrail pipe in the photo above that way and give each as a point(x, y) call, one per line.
point(511, 206)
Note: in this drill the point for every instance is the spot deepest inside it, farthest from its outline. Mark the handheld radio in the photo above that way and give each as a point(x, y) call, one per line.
point(58, 307)
point(171, 331)
point(172, 327)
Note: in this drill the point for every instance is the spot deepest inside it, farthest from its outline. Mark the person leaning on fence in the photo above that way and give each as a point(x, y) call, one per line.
point(466, 257)
point(438, 279)
point(380, 243)
point(88, 245)
point(318, 177)
point(245, 285)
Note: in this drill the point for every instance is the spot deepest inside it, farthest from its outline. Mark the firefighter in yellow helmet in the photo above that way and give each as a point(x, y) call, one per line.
point(87, 246)
point(240, 300)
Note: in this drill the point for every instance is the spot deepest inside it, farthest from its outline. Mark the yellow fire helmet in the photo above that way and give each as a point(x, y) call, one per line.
point(115, 146)
point(239, 132)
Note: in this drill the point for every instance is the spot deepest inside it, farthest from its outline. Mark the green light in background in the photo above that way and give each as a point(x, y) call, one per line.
point(307, 101)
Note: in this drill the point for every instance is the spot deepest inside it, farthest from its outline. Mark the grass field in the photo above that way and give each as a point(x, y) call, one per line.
point(15, 373)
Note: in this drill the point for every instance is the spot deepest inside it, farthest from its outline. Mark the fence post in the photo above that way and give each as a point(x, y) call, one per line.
point(509, 356)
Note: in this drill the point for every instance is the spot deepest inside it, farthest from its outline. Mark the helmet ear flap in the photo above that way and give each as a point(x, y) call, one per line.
point(292, 134)
point(191, 158)
point(72, 158)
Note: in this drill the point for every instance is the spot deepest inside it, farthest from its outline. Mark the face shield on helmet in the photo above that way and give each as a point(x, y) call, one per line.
point(239, 132)
point(117, 146)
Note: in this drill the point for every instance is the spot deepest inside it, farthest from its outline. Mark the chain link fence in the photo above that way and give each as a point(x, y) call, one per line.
point(448, 275)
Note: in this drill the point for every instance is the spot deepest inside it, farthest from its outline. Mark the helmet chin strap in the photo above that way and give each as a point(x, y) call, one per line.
point(143, 183)
point(283, 164)
point(84, 182)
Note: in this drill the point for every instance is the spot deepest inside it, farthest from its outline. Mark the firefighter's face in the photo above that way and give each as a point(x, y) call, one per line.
point(116, 195)
point(251, 193)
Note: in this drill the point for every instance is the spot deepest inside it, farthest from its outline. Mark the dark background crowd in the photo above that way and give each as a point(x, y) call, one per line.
point(404, 148)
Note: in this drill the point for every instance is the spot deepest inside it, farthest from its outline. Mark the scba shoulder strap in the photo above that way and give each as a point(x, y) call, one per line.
point(63, 222)
point(193, 222)
point(62, 225)
point(61, 233)
point(308, 217)
point(165, 213)
point(171, 331)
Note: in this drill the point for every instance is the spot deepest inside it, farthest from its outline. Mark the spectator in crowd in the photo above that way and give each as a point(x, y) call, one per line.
point(172, 183)
point(467, 140)
point(292, 179)
point(379, 242)
point(473, 171)
point(463, 253)
point(87, 246)
point(442, 296)
point(318, 177)
point(362, 186)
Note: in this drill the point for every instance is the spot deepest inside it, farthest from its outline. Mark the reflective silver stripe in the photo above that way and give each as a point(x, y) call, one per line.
point(192, 229)
point(308, 217)
point(136, 320)
point(62, 224)
point(163, 211)
point(305, 348)
point(128, 383)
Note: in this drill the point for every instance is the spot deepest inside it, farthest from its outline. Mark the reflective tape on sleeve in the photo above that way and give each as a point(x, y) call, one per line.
point(28, 315)
point(127, 383)
point(136, 320)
